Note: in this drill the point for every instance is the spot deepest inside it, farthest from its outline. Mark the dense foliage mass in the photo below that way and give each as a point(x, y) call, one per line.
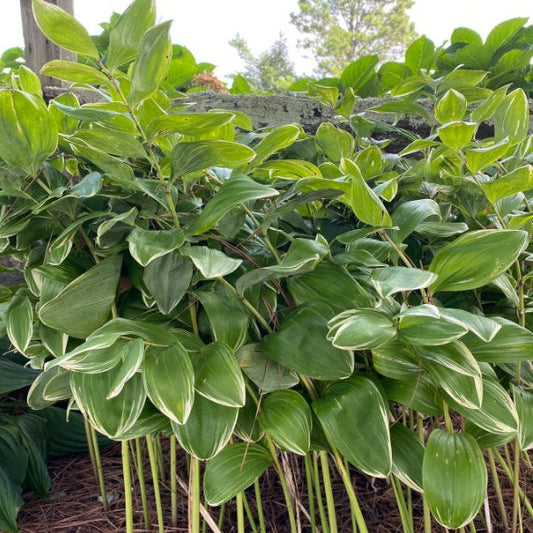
point(249, 293)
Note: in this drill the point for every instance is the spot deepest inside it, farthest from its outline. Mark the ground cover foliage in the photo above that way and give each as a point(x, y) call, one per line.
point(254, 295)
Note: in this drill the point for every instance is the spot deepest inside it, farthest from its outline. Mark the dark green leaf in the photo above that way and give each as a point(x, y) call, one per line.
point(407, 456)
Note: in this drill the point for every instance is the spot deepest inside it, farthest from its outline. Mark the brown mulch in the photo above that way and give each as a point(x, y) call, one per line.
point(74, 506)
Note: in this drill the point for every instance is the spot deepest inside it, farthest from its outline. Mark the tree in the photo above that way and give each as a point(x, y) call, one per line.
point(340, 31)
point(269, 71)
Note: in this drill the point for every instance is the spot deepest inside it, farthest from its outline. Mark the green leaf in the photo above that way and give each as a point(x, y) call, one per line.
point(74, 72)
point(168, 278)
point(523, 400)
point(358, 72)
point(323, 93)
point(84, 304)
point(238, 189)
point(89, 186)
point(19, 322)
point(518, 180)
point(429, 331)
point(128, 31)
point(504, 33)
point(198, 155)
point(476, 258)
point(152, 63)
point(365, 440)
point(132, 357)
point(454, 477)
point(119, 143)
point(486, 109)
point(10, 502)
point(301, 345)
point(29, 81)
point(451, 107)
point(15, 376)
point(334, 142)
point(286, 416)
point(88, 112)
point(511, 118)
point(146, 245)
point(465, 35)
point(418, 393)
point(191, 124)
point(395, 360)
point(218, 375)
point(481, 326)
point(402, 107)
point(36, 397)
point(391, 280)
point(265, 373)
point(457, 134)
point(409, 215)
point(275, 141)
point(234, 469)
point(479, 158)
point(360, 329)
point(420, 55)
point(228, 318)
point(211, 263)
point(27, 129)
point(169, 381)
point(63, 29)
point(407, 456)
point(207, 429)
point(115, 416)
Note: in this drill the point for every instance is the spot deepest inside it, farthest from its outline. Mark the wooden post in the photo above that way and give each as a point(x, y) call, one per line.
point(38, 50)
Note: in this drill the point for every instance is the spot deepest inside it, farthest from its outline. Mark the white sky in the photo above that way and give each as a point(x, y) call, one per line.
point(206, 26)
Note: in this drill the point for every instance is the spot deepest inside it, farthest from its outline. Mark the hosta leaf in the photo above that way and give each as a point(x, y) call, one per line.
point(128, 31)
point(407, 456)
point(301, 345)
point(236, 190)
point(208, 428)
point(476, 258)
point(264, 372)
point(147, 245)
point(15, 376)
point(167, 278)
point(19, 322)
point(198, 155)
point(152, 63)
point(286, 416)
point(391, 280)
point(112, 417)
point(10, 502)
point(211, 263)
point(74, 72)
point(132, 357)
point(169, 381)
point(63, 29)
point(13, 456)
point(360, 329)
point(523, 399)
point(234, 469)
point(365, 440)
point(84, 304)
point(218, 375)
point(454, 477)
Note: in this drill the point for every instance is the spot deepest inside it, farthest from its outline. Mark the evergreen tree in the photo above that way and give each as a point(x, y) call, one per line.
point(340, 31)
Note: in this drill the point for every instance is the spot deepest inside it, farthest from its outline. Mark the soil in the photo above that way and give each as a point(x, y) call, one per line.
point(74, 505)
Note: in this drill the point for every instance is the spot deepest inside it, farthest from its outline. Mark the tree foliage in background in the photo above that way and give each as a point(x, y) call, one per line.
point(271, 70)
point(338, 32)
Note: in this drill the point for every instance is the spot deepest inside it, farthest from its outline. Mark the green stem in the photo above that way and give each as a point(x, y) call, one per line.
point(194, 495)
point(321, 510)
point(263, 233)
point(328, 489)
point(310, 496)
point(173, 481)
point(447, 419)
point(259, 505)
point(427, 513)
point(99, 469)
point(221, 516)
point(516, 486)
point(240, 513)
point(90, 447)
point(249, 514)
point(407, 520)
point(155, 480)
point(126, 472)
point(498, 489)
point(142, 484)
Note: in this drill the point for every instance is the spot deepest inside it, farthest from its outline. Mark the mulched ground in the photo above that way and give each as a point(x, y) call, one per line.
point(74, 506)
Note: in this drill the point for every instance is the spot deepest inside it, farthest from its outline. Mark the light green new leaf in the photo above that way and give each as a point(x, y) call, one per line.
point(218, 375)
point(402, 107)
point(420, 54)
point(265, 373)
point(74, 72)
point(27, 129)
point(454, 477)
point(10, 502)
point(301, 345)
point(451, 107)
point(19, 322)
point(358, 72)
point(523, 399)
point(391, 280)
point(518, 180)
point(146, 245)
point(234, 469)
point(191, 124)
point(353, 415)
point(504, 32)
point(286, 416)
point(360, 329)
point(457, 134)
point(119, 143)
point(198, 155)
point(208, 428)
point(511, 118)
point(334, 142)
point(112, 417)
point(238, 189)
point(63, 29)
point(210, 262)
point(29, 81)
point(132, 357)
point(169, 381)
point(407, 456)
point(152, 63)
point(128, 32)
point(476, 258)
point(87, 112)
point(167, 278)
point(276, 140)
point(84, 304)
point(479, 158)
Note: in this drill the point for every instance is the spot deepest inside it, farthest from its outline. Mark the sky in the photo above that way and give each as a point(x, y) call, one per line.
point(206, 26)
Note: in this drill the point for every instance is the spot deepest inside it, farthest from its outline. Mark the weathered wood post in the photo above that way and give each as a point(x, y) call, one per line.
point(38, 49)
